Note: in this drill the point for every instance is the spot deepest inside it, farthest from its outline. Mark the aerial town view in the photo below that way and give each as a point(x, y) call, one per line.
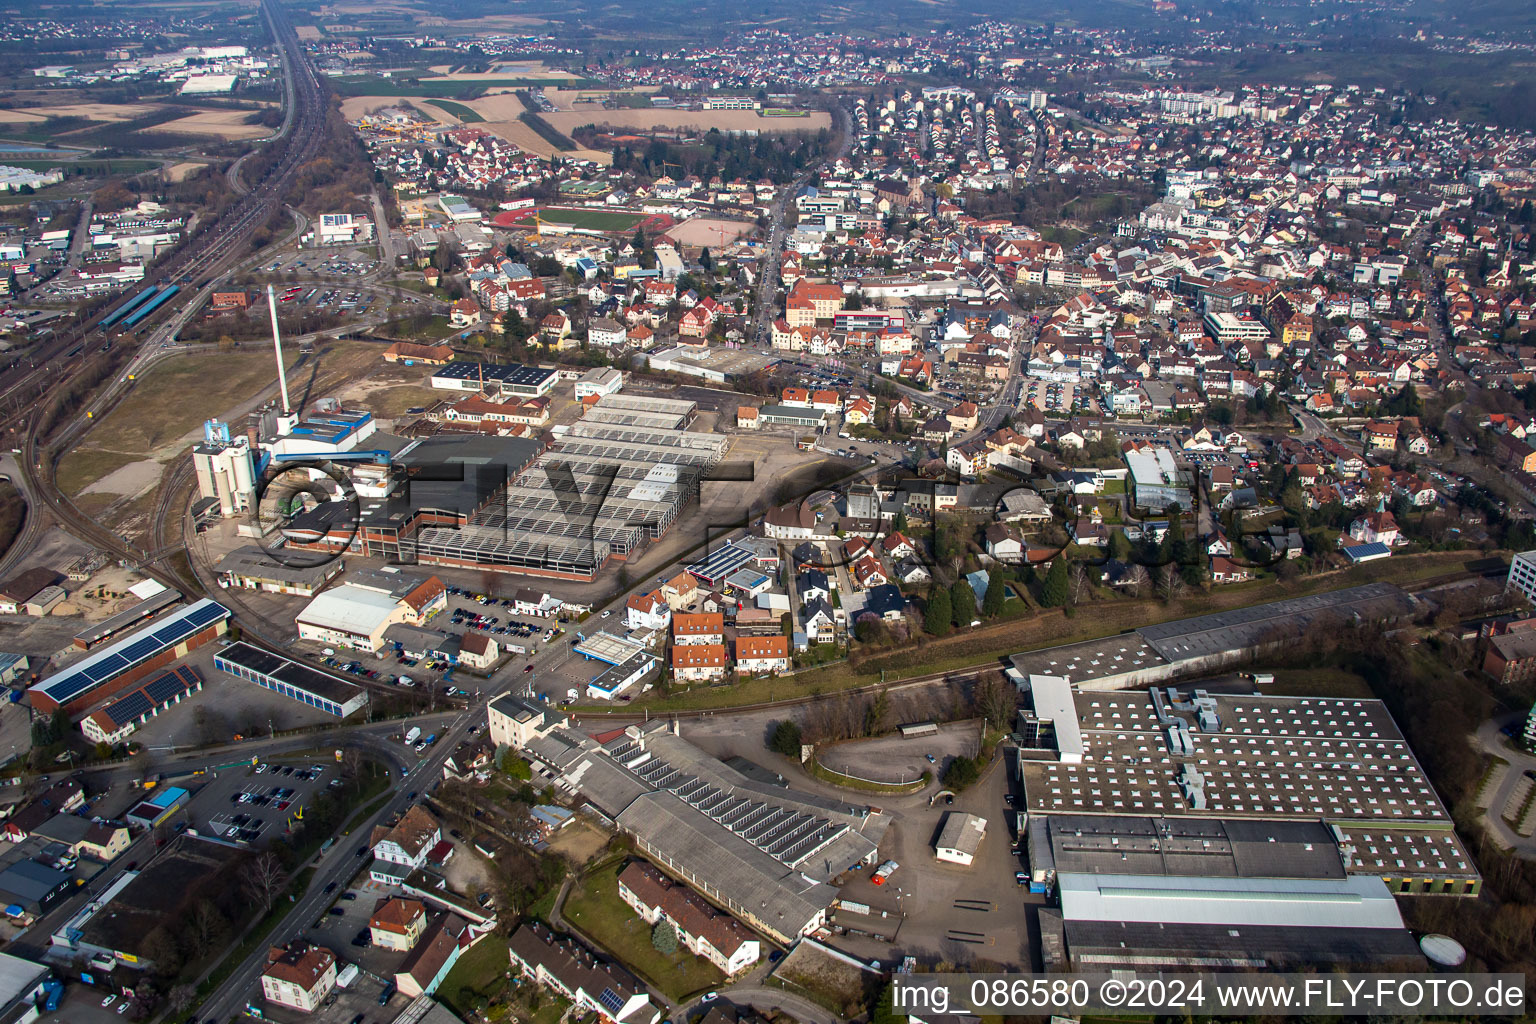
point(520, 513)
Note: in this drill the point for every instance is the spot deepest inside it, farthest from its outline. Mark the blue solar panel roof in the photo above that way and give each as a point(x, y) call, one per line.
point(130, 651)
point(610, 1000)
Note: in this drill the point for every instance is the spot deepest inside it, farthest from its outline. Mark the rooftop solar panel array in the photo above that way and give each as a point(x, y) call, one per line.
point(159, 690)
point(130, 651)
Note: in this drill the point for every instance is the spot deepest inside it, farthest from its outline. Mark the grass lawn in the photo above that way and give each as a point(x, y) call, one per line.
point(175, 397)
point(593, 220)
point(594, 907)
point(831, 777)
point(458, 110)
point(392, 402)
point(81, 467)
point(436, 330)
point(1114, 486)
point(479, 972)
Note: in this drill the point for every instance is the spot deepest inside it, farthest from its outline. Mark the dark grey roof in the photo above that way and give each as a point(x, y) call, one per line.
point(1121, 844)
point(1146, 944)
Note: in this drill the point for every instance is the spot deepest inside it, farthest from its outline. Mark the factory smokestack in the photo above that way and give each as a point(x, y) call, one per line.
point(277, 345)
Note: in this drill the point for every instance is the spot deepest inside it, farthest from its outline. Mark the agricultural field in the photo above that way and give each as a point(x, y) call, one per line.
point(458, 110)
point(220, 124)
point(442, 88)
point(104, 112)
point(355, 107)
point(529, 141)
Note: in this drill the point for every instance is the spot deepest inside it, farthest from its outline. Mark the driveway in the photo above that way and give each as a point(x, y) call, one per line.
point(1492, 742)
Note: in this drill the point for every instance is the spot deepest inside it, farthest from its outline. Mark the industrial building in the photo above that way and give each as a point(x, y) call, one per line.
point(117, 721)
point(320, 690)
point(1210, 892)
point(718, 365)
point(606, 488)
point(612, 483)
point(512, 379)
point(765, 853)
point(1260, 758)
point(321, 434)
point(100, 632)
point(357, 613)
point(251, 568)
point(960, 838)
point(114, 668)
point(225, 468)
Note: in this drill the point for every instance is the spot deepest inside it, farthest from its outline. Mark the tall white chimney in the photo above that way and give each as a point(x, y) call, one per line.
point(277, 345)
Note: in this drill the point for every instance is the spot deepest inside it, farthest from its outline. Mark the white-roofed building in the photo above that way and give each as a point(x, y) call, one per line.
point(351, 616)
point(1054, 707)
point(960, 838)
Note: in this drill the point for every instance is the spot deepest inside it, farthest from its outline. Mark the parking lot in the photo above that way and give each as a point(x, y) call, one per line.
point(343, 928)
point(893, 758)
point(946, 911)
point(253, 804)
point(340, 260)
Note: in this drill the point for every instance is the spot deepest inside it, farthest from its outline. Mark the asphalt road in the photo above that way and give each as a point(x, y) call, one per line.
point(337, 865)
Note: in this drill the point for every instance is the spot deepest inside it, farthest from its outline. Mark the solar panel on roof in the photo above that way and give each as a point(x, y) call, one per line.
point(106, 667)
point(610, 1000)
point(140, 649)
point(70, 686)
point(202, 615)
point(129, 708)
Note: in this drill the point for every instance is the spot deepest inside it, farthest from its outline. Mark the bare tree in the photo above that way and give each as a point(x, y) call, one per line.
point(352, 760)
point(181, 997)
point(994, 699)
point(1170, 584)
point(1080, 582)
point(1137, 575)
point(208, 923)
point(262, 879)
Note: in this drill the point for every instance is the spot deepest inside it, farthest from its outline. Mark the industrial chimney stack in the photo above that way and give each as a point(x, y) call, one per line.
point(277, 345)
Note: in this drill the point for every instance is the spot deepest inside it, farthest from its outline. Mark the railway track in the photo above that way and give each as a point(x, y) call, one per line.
point(201, 256)
point(62, 362)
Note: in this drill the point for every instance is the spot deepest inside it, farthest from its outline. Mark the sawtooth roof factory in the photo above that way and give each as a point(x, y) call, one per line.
point(766, 854)
point(1252, 757)
point(600, 491)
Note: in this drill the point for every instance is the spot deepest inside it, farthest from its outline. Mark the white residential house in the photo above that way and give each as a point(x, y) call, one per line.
point(298, 976)
point(404, 844)
point(647, 611)
point(704, 930)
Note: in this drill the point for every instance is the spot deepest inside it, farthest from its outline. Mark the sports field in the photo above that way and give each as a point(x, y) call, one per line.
point(586, 220)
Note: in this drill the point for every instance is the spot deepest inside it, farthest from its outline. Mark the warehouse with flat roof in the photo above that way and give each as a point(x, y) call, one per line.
point(320, 690)
point(508, 378)
point(1156, 921)
point(1259, 758)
